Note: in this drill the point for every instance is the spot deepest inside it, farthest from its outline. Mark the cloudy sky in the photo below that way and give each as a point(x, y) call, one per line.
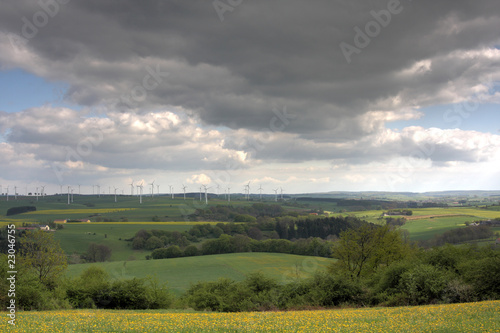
point(310, 96)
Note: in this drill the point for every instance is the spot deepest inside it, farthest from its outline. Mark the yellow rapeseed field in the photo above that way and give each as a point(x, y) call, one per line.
point(470, 317)
point(78, 211)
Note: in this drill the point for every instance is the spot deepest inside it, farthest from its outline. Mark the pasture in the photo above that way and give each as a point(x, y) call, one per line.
point(468, 317)
point(76, 237)
point(180, 272)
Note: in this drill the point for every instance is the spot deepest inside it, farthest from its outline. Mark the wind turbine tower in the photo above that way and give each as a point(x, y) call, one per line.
point(260, 190)
point(68, 195)
point(171, 191)
point(281, 193)
point(276, 194)
point(132, 188)
point(15, 192)
point(7, 193)
point(115, 192)
point(247, 190)
point(139, 190)
point(206, 197)
point(152, 188)
point(228, 194)
point(184, 189)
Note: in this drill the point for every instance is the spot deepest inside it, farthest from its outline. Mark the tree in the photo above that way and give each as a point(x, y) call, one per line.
point(153, 243)
point(363, 250)
point(44, 255)
point(98, 252)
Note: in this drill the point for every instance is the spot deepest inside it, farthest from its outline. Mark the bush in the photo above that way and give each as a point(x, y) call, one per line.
point(153, 243)
point(191, 251)
point(93, 289)
point(98, 253)
point(330, 290)
point(484, 275)
point(138, 243)
point(171, 252)
point(424, 284)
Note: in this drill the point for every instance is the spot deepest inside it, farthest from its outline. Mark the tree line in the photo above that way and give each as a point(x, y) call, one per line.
point(281, 235)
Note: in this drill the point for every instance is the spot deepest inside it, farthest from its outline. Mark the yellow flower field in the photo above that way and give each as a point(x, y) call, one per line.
point(470, 317)
point(78, 211)
point(168, 223)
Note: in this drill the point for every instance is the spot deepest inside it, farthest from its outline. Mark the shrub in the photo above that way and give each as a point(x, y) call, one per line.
point(424, 284)
point(191, 250)
point(330, 290)
point(484, 275)
point(153, 243)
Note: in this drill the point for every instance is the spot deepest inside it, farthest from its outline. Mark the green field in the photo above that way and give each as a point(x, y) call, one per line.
point(55, 207)
point(434, 221)
point(180, 272)
point(452, 318)
point(76, 237)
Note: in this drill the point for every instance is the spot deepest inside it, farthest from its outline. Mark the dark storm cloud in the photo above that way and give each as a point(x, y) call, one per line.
point(264, 54)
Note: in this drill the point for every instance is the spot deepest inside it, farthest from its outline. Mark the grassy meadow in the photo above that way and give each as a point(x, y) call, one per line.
point(76, 237)
point(452, 318)
point(181, 272)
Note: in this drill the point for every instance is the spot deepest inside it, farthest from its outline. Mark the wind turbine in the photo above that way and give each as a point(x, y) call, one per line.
point(139, 190)
point(200, 193)
point(276, 194)
point(99, 189)
point(68, 194)
point(281, 193)
point(171, 191)
point(152, 188)
point(132, 188)
point(43, 191)
point(228, 194)
point(15, 192)
point(218, 187)
point(260, 190)
point(79, 192)
point(7, 193)
point(71, 194)
point(158, 189)
point(247, 187)
point(115, 192)
point(184, 189)
point(36, 193)
point(206, 197)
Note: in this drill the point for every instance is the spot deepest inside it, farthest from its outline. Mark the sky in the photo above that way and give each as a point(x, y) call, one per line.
point(307, 96)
